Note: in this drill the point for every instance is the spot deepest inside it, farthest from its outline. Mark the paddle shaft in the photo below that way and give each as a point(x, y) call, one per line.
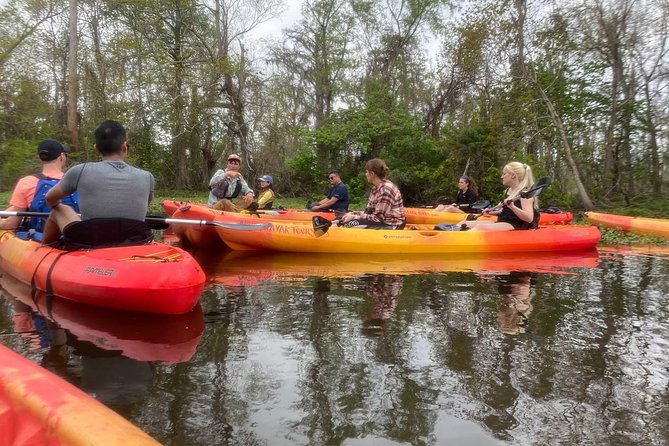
point(167, 220)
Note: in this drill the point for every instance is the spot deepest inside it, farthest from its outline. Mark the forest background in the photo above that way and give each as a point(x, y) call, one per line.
point(577, 89)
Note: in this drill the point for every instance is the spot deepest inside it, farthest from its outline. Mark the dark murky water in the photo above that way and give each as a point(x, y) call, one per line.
point(330, 350)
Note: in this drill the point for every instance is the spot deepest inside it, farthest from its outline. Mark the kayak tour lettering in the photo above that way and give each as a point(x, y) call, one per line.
point(292, 229)
point(107, 272)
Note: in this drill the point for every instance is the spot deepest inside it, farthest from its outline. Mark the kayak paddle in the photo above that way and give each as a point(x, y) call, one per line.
point(163, 220)
point(536, 189)
point(320, 225)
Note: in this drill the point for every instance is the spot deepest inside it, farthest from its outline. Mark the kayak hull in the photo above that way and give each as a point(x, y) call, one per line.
point(291, 237)
point(198, 236)
point(658, 227)
point(152, 278)
point(430, 216)
point(37, 407)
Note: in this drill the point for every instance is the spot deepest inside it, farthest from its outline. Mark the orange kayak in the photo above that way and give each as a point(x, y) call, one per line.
point(39, 408)
point(430, 216)
point(151, 278)
point(646, 226)
point(171, 206)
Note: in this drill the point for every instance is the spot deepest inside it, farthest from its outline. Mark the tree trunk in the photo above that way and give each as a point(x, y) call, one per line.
point(557, 121)
point(72, 78)
point(179, 103)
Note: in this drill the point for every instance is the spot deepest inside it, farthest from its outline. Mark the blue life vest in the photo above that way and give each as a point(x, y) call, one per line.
point(34, 227)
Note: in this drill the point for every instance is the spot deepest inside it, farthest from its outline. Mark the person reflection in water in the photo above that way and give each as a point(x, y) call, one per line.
point(384, 292)
point(515, 306)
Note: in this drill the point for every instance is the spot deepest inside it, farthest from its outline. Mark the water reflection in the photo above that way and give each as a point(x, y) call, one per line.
point(301, 350)
point(241, 268)
point(383, 292)
point(515, 304)
point(142, 337)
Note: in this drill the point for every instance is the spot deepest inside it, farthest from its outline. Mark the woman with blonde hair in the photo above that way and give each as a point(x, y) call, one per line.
point(514, 212)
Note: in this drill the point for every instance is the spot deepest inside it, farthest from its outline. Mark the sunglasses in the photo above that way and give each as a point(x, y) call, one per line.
point(233, 161)
point(332, 177)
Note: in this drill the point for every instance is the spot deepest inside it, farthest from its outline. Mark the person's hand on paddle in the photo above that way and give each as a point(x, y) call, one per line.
point(347, 217)
point(490, 211)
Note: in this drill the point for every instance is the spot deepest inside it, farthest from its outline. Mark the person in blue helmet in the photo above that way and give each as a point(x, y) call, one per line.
point(266, 195)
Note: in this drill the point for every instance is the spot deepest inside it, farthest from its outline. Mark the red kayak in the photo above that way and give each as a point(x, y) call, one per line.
point(39, 408)
point(151, 278)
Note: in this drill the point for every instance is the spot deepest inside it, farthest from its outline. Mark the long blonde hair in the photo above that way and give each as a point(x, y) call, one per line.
point(523, 173)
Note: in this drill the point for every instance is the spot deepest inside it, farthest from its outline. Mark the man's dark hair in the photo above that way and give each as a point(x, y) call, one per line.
point(109, 137)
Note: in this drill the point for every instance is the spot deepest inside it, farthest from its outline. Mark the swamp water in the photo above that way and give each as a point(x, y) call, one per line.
point(298, 349)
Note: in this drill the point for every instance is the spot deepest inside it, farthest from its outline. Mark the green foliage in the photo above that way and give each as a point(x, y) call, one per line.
point(617, 237)
point(18, 157)
point(304, 170)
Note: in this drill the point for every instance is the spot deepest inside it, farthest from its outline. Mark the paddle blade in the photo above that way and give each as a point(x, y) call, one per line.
point(320, 225)
point(537, 188)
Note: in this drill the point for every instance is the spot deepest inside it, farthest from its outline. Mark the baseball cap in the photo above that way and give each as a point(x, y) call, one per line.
point(234, 156)
point(267, 178)
point(50, 149)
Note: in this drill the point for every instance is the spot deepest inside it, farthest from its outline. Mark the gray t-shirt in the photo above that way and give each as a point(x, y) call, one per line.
point(110, 189)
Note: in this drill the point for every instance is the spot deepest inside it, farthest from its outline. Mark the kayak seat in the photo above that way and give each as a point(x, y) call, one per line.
point(105, 232)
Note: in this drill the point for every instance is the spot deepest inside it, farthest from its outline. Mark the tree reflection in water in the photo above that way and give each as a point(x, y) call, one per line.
point(307, 354)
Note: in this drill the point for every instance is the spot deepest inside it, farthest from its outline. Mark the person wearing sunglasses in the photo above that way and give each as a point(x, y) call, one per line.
point(227, 185)
point(53, 156)
point(337, 199)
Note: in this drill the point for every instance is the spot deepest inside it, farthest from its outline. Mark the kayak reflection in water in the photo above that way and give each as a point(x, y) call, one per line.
point(43, 335)
point(515, 306)
point(384, 293)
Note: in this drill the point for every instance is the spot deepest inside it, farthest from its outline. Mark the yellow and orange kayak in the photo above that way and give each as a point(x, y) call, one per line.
point(639, 225)
point(293, 237)
point(430, 216)
point(39, 408)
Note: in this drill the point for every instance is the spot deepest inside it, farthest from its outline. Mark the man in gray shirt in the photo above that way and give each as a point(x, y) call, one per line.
point(110, 188)
point(228, 185)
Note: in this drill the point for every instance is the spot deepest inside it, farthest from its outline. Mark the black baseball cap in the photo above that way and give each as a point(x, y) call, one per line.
point(50, 149)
